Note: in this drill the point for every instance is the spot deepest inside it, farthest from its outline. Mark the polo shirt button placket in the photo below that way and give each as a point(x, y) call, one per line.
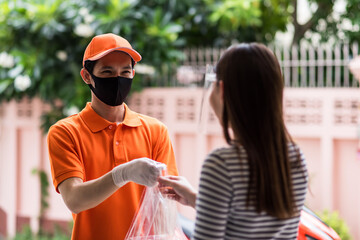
point(119, 154)
point(117, 142)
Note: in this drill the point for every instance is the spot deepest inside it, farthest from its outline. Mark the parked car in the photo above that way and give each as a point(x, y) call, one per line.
point(311, 227)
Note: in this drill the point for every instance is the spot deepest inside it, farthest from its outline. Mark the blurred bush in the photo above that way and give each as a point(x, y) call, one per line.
point(42, 41)
point(42, 44)
point(337, 223)
point(27, 234)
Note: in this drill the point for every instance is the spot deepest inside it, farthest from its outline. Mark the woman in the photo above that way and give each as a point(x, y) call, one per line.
point(255, 187)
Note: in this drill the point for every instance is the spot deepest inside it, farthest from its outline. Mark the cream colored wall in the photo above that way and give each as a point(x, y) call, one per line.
point(322, 121)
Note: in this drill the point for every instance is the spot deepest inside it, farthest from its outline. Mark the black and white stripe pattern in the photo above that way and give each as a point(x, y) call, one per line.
point(221, 211)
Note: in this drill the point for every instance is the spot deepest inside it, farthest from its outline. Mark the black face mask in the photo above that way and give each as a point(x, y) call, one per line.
point(111, 91)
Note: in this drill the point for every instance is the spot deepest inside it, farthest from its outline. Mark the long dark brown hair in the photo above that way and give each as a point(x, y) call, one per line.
point(253, 107)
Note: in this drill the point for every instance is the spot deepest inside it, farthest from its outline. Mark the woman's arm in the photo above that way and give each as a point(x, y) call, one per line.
point(213, 200)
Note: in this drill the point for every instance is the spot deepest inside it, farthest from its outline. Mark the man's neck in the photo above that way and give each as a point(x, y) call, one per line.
point(110, 113)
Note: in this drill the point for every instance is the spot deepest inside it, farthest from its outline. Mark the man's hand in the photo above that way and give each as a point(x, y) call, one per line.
point(143, 171)
point(79, 196)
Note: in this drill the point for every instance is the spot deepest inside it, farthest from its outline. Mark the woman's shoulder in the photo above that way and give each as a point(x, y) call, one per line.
point(292, 146)
point(217, 165)
point(297, 158)
point(224, 152)
point(227, 155)
point(294, 150)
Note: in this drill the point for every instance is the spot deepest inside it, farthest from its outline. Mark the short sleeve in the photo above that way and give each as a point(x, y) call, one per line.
point(163, 151)
point(64, 159)
point(213, 199)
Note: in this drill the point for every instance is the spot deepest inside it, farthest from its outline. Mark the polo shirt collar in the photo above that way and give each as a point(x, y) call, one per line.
point(131, 118)
point(96, 123)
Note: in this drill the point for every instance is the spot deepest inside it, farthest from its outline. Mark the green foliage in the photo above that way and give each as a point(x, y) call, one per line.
point(27, 234)
point(335, 222)
point(42, 41)
point(40, 36)
point(46, 40)
point(329, 22)
point(232, 14)
point(44, 188)
point(222, 22)
point(352, 14)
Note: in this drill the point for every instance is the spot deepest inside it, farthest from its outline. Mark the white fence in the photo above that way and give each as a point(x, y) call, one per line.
point(305, 66)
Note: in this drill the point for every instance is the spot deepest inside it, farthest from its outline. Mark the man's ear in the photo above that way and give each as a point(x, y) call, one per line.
point(85, 76)
point(133, 72)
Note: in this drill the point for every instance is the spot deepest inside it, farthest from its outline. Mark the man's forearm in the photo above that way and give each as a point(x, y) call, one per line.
point(79, 196)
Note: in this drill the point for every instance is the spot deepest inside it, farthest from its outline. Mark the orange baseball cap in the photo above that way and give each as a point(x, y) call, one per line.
point(103, 44)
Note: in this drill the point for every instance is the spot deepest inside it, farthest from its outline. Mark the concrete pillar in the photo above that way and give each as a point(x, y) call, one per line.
point(327, 156)
point(8, 166)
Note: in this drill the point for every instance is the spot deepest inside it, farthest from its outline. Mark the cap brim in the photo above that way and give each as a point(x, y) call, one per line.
point(133, 54)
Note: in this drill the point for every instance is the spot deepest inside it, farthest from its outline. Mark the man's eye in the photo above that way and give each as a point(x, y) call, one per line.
point(106, 71)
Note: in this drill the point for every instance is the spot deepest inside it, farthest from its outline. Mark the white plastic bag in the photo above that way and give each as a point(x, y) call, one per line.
point(156, 219)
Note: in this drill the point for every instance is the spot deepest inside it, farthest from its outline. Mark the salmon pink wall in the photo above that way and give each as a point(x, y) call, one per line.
point(323, 121)
point(346, 182)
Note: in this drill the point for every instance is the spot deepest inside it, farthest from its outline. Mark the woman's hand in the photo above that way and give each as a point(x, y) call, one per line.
point(179, 189)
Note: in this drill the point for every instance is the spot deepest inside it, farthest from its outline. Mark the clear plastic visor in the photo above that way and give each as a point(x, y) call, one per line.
point(210, 78)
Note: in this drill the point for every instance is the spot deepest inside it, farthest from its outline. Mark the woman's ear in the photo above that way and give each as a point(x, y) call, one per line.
point(85, 76)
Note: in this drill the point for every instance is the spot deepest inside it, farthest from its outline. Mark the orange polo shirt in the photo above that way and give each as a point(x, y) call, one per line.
point(87, 146)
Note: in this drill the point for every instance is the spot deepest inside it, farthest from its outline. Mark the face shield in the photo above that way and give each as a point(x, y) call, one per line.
point(210, 77)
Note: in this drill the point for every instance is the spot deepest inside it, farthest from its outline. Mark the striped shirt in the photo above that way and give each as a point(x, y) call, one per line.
point(221, 211)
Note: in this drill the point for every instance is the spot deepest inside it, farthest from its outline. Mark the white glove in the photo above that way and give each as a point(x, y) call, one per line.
point(143, 171)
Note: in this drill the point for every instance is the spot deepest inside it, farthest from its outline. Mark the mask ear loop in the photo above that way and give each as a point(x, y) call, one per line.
point(209, 78)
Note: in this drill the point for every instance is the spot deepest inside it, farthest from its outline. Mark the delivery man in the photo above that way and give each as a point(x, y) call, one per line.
point(102, 157)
